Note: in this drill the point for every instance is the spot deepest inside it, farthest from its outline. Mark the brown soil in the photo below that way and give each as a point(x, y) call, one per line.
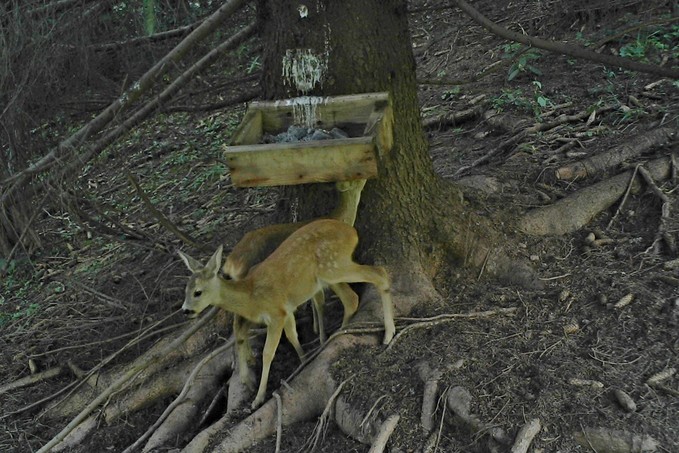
point(88, 287)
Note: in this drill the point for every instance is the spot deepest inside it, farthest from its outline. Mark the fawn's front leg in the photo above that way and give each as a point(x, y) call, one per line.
point(273, 337)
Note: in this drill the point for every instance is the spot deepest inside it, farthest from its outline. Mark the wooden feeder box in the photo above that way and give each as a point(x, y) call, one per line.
point(366, 118)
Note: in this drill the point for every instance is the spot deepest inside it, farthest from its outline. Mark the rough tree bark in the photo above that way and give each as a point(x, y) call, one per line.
point(409, 219)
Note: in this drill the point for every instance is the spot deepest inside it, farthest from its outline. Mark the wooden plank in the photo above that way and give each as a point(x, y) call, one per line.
point(302, 163)
point(250, 130)
point(332, 111)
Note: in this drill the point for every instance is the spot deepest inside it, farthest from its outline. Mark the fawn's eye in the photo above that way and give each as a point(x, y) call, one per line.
point(197, 293)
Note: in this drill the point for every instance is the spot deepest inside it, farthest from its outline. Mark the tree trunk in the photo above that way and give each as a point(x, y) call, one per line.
point(408, 218)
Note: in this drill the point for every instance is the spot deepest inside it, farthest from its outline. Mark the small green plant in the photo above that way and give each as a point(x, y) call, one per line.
point(451, 93)
point(540, 99)
point(662, 41)
point(212, 172)
point(582, 39)
point(149, 11)
point(511, 98)
point(516, 98)
point(523, 58)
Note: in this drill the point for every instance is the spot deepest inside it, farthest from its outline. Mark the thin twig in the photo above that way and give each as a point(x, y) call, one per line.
point(279, 422)
point(624, 198)
point(384, 434)
point(429, 322)
point(662, 233)
point(372, 408)
point(444, 397)
point(312, 442)
point(164, 221)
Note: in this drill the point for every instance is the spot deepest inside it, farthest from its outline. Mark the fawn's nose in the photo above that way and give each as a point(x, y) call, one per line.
point(189, 313)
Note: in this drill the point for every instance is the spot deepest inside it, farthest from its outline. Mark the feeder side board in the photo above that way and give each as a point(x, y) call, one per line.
point(332, 112)
point(250, 130)
point(380, 124)
point(299, 163)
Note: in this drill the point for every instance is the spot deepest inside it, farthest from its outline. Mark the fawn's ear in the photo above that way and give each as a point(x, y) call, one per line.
point(215, 262)
point(193, 265)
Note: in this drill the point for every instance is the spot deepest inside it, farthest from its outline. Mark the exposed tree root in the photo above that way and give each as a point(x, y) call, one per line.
point(123, 378)
point(526, 435)
point(606, 440)
point(305, 398)
point(459, 401)
point(600, 162)
point(322, 424)
point(431, 378)
point(384, 434)
point(572, 213)
point(309, 392)
point(147, 365)
point(201, 384)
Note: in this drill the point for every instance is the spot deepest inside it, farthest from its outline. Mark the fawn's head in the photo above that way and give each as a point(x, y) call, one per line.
point(202, 290)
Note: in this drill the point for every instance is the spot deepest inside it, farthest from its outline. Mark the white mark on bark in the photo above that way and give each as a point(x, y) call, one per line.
point(303, 70)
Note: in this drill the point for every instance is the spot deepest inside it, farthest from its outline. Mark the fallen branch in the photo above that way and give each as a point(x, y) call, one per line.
point(155, 104)
point(157, 37)
point(241, 98)
point(562, 47)
point(164, 221)
point(600, 162)
point(534, 129)
point(32, 379)
point(455, 118)
point(574, 212)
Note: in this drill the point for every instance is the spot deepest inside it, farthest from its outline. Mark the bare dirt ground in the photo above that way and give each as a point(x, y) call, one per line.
point(109, 270)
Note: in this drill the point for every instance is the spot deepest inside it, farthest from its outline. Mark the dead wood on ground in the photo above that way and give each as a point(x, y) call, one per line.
point(601, 162)
point(572, 213)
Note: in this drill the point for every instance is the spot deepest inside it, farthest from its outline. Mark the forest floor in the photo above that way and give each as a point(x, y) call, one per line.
point(109, 270)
